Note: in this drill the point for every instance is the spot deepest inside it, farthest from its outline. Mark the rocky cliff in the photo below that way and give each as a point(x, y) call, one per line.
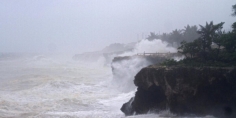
point(184, 91)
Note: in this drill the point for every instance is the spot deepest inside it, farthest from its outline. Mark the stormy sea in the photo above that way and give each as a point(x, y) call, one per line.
point(34, 85)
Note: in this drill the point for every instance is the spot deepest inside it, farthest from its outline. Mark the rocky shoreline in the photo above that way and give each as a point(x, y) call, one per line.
point(197, 91)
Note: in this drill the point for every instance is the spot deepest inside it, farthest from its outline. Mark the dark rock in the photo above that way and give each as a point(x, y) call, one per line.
point(186, 90)
point(127, 108)
point(150, 99)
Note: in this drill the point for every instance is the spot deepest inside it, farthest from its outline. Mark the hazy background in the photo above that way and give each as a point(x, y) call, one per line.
point(86, 25)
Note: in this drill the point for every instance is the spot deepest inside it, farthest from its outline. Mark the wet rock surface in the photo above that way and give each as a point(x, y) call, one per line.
point(184, 91)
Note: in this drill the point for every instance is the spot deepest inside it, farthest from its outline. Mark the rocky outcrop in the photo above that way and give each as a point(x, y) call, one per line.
point(184, 91)
point(125, 68)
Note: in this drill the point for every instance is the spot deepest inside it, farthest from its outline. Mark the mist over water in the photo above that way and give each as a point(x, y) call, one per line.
point(56, 85)
point(61, 68)
point(154, 46)
point(50, 86)
point(126, 69)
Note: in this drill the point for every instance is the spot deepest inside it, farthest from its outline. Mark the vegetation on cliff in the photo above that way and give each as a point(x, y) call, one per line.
point(213, 47)
point(174, 38)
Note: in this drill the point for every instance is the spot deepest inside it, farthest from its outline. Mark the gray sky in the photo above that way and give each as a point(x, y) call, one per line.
point(87, 25)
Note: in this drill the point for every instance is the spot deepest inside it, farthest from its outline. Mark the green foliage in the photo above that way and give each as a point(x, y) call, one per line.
point(229, 42)
point(234, 10)
point(190, 33)
point(169, 62)
point(165, 37)
point(176, 36)
point(152, 36)
point(191, 49)
point(200, 51)
point(208, 32)
point(234, 27)
point(197, 62)
point(218, 38)
point(208, 46)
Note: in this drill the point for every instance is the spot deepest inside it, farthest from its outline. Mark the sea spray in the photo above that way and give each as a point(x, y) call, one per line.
point(124, 72)
point(53, 86)
point(44, 85)
point(129, 64)
point(146, 46)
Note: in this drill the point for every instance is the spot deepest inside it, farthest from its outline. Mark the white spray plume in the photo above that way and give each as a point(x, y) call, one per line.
point(125, 70)
point(155, 46)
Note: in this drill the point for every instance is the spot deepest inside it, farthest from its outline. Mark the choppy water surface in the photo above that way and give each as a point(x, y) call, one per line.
point(46, 86)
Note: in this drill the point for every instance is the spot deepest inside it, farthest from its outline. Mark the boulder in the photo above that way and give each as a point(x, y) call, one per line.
point(127, 109)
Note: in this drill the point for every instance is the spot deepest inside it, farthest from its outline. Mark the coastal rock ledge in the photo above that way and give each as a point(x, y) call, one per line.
point(194, 91)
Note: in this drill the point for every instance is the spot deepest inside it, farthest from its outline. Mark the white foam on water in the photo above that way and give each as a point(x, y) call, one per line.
point(47, 86)
point(44, 86)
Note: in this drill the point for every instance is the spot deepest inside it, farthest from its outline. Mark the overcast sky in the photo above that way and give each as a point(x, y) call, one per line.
point(87, 25)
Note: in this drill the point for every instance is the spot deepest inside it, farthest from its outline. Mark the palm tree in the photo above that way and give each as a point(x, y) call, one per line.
point(176, 36)
point(152, 36)
point(234, 27)
point(234, 10)
point(190, 33)
point(165, 37)
point(207, 33)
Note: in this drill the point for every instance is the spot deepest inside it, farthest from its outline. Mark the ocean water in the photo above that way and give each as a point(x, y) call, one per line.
point(56, 86)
